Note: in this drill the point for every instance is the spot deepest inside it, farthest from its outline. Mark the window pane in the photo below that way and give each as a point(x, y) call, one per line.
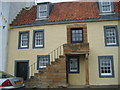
point(43, 14)
point(43, 7)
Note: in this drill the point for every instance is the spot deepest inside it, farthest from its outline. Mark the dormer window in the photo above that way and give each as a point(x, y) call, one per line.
point(106, 6)
point(43, 10)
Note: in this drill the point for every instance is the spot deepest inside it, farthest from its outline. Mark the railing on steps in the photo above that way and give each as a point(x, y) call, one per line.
point(32, 69)
point(56, 53)
point(53, 55)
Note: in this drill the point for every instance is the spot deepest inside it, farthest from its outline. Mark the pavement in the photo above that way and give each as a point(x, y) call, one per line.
point(95, 86)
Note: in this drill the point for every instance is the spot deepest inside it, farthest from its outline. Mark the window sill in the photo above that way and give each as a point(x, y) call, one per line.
point(74, 72)
point(44, 18)
point(41, 69)
point(37, 47)
point(23, 47)
point(112, 45)
point(111, 76)
point(107, 13)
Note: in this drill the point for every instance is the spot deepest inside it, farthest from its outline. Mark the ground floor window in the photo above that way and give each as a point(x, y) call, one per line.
point(42, 61)
point(73, 63)
point(106, 68)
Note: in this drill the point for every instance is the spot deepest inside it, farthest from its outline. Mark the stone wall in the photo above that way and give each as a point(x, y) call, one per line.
point(83, 26)
point(76, 48)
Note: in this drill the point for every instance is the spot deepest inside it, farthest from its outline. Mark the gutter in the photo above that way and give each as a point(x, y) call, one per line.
point(66, 22)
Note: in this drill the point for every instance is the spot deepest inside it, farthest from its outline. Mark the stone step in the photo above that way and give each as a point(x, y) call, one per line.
point(53, 76)
point(62, 56)
point(52, 62)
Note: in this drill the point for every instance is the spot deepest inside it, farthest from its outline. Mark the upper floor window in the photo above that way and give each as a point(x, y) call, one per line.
point(106, 66)
point(106, 6)
point(77, 35)
point(38, 39)
point(111, 35)
point(24, 39)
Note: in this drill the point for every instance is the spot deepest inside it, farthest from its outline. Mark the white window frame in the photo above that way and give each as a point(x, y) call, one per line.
point(111, 35)
point(23, 39)
point(106, 66)
point(44, 58)
point(39, 39)
point(102, 6)
point(114, 31)
point(40, 11)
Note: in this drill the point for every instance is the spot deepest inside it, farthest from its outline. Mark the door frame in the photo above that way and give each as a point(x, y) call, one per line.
point(15, 66)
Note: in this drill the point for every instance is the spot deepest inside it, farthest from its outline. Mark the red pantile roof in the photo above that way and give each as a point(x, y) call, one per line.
point(117, 8)
point(25, 17)
point(64, 11)
point(74, 11)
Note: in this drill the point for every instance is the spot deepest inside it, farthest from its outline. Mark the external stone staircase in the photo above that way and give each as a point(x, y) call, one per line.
point(53, 76)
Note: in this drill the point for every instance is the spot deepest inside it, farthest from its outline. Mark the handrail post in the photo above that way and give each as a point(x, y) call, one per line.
point(54, 54)
point(60, 50)
point(34, 69)
point(57, 52)
point(30, 71)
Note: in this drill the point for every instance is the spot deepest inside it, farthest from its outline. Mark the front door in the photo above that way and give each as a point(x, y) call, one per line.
point(22, 69)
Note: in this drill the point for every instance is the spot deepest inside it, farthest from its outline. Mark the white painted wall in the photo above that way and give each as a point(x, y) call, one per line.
point(3, 34)
point(8, 12)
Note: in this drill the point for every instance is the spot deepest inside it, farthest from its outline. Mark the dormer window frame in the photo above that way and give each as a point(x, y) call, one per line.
point(103, 5)
point(41, 11)
point(110, 6)
point(45, 5)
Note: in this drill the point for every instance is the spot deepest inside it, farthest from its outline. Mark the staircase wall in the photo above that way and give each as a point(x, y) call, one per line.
point(54, 76)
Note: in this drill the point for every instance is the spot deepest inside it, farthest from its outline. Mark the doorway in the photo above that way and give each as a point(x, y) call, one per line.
point(22, 69)
point(76, 69)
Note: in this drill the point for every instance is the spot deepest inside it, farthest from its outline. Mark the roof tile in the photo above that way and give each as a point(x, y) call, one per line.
point(74, 11)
